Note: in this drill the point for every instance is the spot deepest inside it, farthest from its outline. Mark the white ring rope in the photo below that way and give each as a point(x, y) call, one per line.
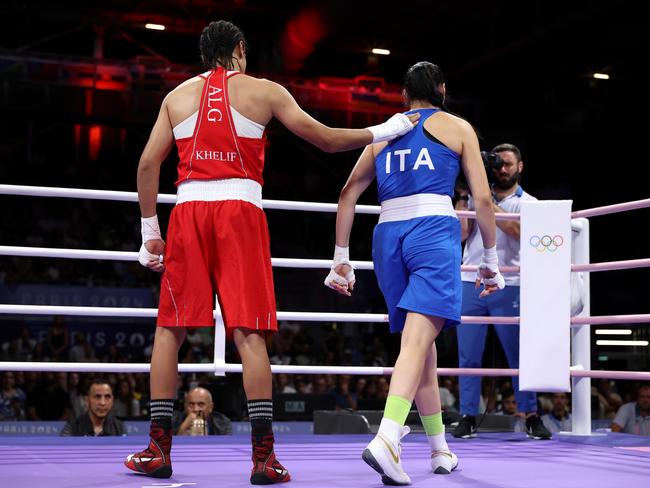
point(48, 252)
point(299, 316)
point(293, 369)
point(153, 312)
point(610, 209)
point(46, 191)
point(125, 196)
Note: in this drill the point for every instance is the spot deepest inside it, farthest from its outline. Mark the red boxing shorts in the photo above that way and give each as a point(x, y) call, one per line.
point(218, 247)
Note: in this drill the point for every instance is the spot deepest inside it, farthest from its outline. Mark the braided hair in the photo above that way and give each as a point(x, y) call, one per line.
point(217, 42)
point(421, 83)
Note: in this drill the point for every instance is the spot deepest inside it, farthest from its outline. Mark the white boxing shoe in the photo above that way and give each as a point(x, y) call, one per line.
point(443, 462)
point(384, 456)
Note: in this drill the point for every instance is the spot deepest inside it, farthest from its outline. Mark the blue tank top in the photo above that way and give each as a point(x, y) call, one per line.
point(416, 163)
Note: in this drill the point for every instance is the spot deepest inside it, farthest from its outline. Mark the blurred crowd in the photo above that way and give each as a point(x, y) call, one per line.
point(64, 396)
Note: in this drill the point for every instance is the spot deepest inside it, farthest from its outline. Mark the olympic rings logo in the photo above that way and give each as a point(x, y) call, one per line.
point(546, 242)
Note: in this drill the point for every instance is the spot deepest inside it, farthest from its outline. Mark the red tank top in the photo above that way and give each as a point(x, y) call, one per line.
point(215, 151)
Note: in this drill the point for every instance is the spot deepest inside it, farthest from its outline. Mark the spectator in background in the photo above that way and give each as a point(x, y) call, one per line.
point(359, 386)
point(302, 385)
point(112, 355)
point(27, 380)
point(608, 400)
point(488, 401)
point(195, 339)
point(99, 420)
point(125, 406)
point(48, 401)
point(634, 417)
point(12, 398)
point(89, 354)
point(76, 392)
point(305, 356)
point(40, 354)
point(559, 419)
point(77, 352)
point(320, 385)
point(283, 384)
point(58, 339)
point(26, 343)
point(344, 398)
point(447, 398)
point(508, 403)
point(200, 417)
point(281, 355)
point(382, 388)
point(9, 351)
point(62, 380)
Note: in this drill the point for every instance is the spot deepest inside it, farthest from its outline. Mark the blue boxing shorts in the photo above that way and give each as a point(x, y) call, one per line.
point(417, 264)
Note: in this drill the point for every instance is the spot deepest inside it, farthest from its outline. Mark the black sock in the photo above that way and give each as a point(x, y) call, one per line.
point(260, 413)
point(162, 412)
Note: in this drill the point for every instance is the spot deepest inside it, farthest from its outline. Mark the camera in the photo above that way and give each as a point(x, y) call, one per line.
point(492, 162)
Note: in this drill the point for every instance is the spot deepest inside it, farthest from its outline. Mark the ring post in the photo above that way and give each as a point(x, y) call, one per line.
point(219, 341)
point(581, 342)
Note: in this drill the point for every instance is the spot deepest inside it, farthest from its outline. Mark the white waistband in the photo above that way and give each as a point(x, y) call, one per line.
point(412, 206)
point(218, 190)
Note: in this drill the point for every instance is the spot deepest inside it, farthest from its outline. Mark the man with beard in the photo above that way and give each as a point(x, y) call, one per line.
point(507, 196)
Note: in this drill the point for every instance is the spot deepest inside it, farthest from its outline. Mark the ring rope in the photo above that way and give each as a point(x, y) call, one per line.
point(126, 196)
point(294, 369)
point(46, 191)
point(302, 316)
point(153, 312)
point(47, 252)
point(610, 209)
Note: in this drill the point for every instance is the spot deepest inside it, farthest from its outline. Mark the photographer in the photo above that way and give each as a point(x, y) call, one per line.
point(503, 167)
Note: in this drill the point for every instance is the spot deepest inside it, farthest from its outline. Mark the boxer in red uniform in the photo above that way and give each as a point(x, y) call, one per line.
point(218, 240)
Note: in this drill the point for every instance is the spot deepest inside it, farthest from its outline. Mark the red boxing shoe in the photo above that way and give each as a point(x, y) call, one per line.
point(155, 460)
point(266, 468)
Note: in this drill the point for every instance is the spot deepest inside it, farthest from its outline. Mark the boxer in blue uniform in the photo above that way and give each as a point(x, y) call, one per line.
point(416, 254)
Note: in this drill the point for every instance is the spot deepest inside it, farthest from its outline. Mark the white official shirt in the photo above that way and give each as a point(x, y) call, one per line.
point(507, 247)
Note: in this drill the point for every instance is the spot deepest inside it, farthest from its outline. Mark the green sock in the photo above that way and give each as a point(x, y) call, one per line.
point(433, 423)
point(397, 409)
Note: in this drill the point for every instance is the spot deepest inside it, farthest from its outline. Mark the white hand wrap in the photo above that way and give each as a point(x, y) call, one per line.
point(397, 125)
point(341, 256)
point(490, 261)
point(150, 230)
point(145, 257)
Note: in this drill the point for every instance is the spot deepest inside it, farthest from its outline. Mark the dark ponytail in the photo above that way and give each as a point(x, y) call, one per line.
point(421, 82)
point(218, 41)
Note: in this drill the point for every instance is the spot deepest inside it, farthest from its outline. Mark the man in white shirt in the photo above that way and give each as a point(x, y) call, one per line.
point(634, 417)
point(471, 338)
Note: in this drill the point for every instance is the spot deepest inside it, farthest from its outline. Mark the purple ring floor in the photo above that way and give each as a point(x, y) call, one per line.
point(488, 461)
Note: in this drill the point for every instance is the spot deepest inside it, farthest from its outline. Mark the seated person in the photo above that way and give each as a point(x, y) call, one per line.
point(200, 419)
point(634, 417)
point(509, 407)
point(508, 403)
point(559, 419)
point(12, 398)
point(99, 419)
point(344, 398)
